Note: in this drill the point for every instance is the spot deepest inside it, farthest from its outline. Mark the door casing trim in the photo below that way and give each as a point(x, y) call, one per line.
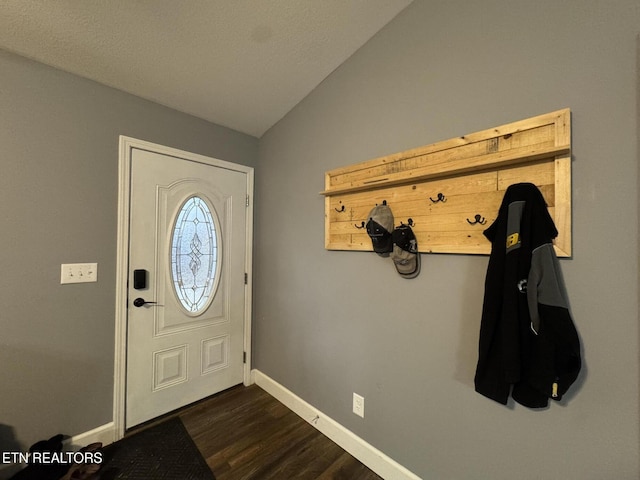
point(122, 267)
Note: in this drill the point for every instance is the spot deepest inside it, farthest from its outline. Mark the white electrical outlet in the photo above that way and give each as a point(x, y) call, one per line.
point(358, 404)
point(78, 272)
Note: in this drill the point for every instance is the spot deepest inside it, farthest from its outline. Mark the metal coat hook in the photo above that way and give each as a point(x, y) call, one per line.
point(384, 202)
point(362, 225)
point(478, 219)
point(341, 209)
point(409, 222)
point(440, 198)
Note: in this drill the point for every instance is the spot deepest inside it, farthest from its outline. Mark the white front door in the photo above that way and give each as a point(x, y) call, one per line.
point(186, 303)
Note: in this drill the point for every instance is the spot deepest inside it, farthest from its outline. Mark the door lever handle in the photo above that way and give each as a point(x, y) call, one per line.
point(139, 302)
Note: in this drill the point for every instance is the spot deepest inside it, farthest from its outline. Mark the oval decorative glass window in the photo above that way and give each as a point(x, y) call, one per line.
point(194, 255)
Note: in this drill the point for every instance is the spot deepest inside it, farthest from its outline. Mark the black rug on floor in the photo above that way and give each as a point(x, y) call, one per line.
point(162, 452)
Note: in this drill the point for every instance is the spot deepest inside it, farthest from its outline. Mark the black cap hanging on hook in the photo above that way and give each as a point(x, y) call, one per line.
point(379, 228)
point(405, 255)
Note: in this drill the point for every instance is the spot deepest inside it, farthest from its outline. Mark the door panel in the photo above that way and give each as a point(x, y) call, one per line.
point(187, 218)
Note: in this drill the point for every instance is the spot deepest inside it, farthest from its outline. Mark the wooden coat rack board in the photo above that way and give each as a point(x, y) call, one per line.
point(452, 190)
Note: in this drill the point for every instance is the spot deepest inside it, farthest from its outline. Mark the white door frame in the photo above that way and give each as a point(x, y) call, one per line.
point(122, 267)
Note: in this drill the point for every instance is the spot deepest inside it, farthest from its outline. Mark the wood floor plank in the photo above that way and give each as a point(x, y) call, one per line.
point(245, 434)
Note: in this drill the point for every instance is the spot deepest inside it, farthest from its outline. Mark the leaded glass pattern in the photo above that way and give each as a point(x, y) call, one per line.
point(194, 255)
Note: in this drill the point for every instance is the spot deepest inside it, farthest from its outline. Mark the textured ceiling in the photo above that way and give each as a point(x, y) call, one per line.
point(239, 63)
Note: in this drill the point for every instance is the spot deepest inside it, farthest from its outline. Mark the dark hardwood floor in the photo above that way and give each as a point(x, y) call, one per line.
point(244, 433)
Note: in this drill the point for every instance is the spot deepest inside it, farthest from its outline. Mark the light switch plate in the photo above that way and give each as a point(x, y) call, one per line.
point(78, 272)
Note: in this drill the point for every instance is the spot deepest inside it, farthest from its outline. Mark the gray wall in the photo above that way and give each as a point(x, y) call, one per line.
point(331, 323)
point(59, 195)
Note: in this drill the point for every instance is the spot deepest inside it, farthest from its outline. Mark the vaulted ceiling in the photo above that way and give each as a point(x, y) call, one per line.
point(239, 63)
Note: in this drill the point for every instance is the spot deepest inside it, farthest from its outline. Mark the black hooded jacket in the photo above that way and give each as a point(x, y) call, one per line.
point(527, 338)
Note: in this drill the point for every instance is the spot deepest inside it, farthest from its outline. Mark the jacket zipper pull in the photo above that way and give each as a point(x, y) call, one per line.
point(554, 389)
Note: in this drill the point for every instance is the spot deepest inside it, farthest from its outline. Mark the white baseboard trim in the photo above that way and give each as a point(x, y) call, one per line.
point(373, 458)
point(105, 434)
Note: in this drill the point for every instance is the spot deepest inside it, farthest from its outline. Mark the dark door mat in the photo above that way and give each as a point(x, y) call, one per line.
point(162, 452)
